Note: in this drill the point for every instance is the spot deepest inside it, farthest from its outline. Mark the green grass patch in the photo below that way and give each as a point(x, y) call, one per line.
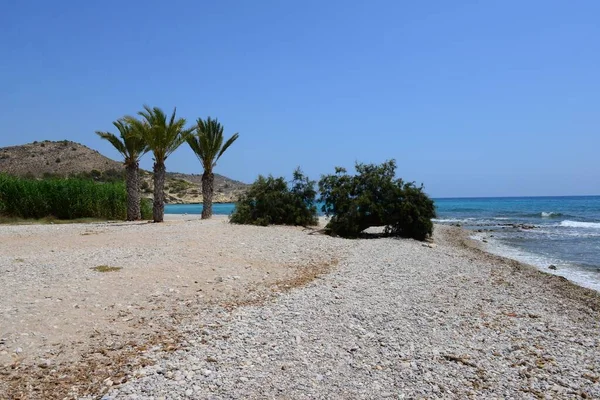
point(4, 220)
point(106, 268)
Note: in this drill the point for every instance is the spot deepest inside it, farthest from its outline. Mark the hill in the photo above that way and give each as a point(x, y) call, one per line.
point(66, 158)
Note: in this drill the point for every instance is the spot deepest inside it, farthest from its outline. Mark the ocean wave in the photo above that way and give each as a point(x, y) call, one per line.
point(579, 224)
point(452, 220)
point(550, 214)
point(475, 222)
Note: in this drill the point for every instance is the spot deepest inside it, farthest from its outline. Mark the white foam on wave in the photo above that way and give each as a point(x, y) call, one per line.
point(453, 220)
point(579, 224)
point(583, 277)
point(550, 214)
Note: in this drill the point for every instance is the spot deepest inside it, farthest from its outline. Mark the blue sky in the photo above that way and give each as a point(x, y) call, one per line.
point(472, 98)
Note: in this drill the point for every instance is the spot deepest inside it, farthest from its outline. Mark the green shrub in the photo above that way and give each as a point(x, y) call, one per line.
point(271, 201)
point(374, 197)
point(108, 176)
point(67, 198)
point(146, 208)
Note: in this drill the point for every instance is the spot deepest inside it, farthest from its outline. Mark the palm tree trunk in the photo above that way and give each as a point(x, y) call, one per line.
point(133, 193)
point(158, 206)
point(208, 183)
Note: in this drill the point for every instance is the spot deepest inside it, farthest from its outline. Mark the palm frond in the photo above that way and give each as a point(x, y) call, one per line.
point(162, 135)
point(115, 141)
point(207, 142)
point(131, 146)
point(228, 143)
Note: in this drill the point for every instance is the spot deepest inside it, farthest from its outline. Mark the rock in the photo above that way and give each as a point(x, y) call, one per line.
point(108, 382)
point(552, 267)
point(219, 279)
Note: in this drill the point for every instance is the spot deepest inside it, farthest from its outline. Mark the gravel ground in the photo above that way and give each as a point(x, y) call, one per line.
point(66, 327)
point(396, 319)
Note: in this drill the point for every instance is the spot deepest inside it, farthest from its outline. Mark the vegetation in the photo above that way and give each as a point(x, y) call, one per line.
point(272, 201)
point(374, 197)
point(67, 198)
point(132, 147)
point(108, 176)
point(163, 136)
point(207, 144)
point(106, 268)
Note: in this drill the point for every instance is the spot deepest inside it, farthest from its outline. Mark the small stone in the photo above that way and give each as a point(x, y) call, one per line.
point(108, 382)
point(206, 372)
point(189, 392)
point(18, 350)
point(219, 279)
point(553, 267)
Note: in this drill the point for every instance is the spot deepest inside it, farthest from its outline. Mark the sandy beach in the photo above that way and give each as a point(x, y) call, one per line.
point(206, 309)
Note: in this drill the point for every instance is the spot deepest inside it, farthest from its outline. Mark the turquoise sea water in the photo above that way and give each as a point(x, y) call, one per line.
point(542, 231)
point(218, 208)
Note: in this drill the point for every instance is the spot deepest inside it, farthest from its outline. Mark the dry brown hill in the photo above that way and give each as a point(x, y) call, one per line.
point(60, 158)
point(66, 158)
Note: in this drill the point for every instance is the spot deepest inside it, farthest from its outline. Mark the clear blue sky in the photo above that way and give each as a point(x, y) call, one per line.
point(472, 98)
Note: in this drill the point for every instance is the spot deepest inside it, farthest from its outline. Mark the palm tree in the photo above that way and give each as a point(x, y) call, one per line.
point(163, 136)
point(132, 148)
point(208, 145)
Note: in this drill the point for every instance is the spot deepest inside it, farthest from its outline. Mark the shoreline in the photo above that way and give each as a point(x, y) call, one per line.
point(391, 270)
point(582, 277)
point(563, 284)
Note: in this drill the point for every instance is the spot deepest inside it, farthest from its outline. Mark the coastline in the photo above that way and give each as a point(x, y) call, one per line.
point(567, 287)
point(449, 294)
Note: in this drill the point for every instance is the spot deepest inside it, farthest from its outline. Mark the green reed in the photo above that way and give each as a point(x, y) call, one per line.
point(64, 198)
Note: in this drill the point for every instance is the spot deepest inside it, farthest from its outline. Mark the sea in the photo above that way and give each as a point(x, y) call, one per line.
point(563, 232)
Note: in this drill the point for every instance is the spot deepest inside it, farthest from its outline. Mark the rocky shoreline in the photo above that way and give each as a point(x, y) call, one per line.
point(383, 318)
point(396, 319)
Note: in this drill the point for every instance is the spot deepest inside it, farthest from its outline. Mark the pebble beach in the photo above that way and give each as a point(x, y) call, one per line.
point(314, 317)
